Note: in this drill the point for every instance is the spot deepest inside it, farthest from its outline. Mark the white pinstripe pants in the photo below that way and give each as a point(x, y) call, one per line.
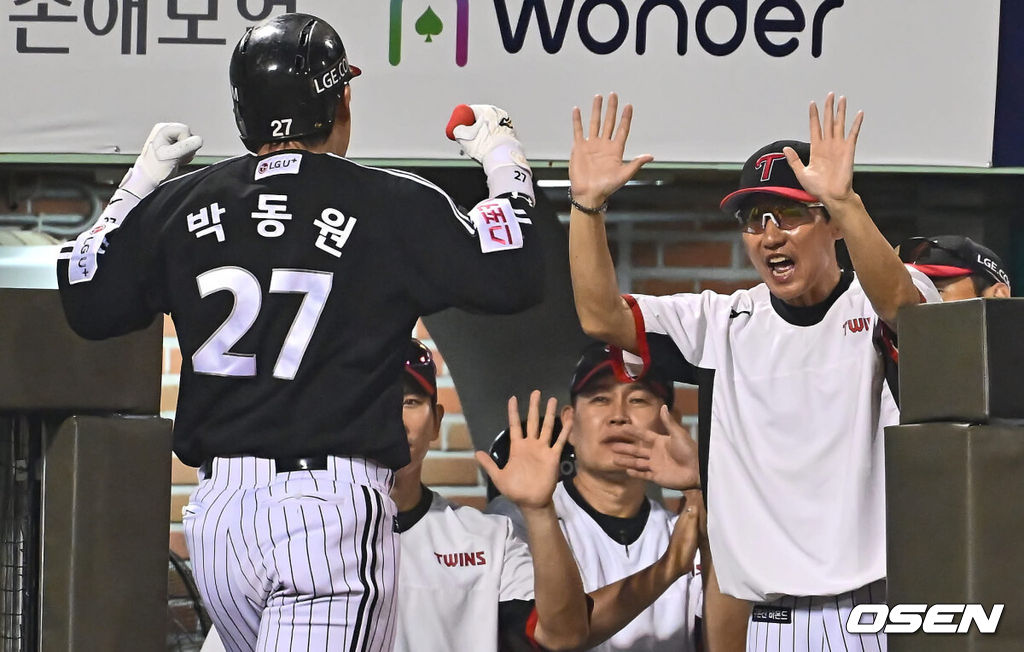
point(305, 560)
point(816, 624)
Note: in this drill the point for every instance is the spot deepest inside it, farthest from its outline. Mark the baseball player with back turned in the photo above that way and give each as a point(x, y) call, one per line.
point(793, 401)
point(294, 277)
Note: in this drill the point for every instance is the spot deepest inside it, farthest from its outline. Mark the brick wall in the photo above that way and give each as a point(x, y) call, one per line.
point(671, 254)
point(660, 256)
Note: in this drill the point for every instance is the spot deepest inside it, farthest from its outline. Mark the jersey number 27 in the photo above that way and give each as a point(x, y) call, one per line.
point(214, 356)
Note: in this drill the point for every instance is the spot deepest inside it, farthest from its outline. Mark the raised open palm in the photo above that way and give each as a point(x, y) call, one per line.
point(529, 477)
point(668, 460)
point(596, 168)
point(828, 174)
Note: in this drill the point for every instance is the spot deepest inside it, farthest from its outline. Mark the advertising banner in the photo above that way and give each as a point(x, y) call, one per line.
point(711, 80)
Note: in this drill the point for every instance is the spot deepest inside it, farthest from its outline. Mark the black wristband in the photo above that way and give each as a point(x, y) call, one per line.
point(586, 209)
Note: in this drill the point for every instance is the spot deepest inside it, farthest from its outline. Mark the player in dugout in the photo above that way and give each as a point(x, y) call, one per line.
point(613, 528)
point(468, 581)
point(960, 267)
point(792, 398)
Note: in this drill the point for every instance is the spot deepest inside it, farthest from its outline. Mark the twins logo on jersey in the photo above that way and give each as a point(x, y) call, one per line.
point(857, 325)
point(460, 559)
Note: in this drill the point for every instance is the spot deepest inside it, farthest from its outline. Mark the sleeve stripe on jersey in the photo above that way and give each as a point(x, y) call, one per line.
point(643, 348)
point(531, 629)
point(463, 219)
point(888, 338)
point(205, 167)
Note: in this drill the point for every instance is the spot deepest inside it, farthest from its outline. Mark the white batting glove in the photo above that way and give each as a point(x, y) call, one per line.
point(169, 145)
point(486, 135)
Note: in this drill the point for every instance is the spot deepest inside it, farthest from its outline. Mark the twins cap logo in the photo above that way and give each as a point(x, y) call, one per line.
point(765, 164)
point(429, 25)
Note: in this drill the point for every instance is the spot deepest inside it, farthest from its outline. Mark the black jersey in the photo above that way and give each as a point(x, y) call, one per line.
point(294, 280)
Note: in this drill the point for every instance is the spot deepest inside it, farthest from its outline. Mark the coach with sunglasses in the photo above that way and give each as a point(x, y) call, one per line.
point(792, 397)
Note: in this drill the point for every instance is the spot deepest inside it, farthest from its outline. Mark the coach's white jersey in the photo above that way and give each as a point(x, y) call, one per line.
point(458, 564)
point(668, 624)
point(795, 483)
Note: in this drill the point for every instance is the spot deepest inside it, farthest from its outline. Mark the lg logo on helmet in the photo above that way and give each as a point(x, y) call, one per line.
point(332, 77)
point(991, 264)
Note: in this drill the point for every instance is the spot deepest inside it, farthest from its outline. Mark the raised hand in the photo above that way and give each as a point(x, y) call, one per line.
point(482, 128)
point(168, 145)
point(531, 473)
point(596, 168)
point(668, 460)
point(828, 174)
point(485, 134)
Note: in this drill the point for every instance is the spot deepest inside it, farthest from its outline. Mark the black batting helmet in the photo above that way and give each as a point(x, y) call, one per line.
point(287, 76)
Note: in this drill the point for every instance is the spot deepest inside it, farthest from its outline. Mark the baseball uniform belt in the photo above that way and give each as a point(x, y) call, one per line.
point(281, 464)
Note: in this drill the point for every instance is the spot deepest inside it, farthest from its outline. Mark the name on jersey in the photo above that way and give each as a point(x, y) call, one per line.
point(280, 164)
point(766, 614)
point(272, 215)
point(460, 559)
point(857, 325)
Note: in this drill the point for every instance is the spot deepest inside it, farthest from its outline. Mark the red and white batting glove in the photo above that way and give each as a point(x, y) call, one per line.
point(486, 135)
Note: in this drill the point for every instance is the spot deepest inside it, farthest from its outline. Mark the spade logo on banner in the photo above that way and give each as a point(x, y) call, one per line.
point(431, 19)
point(429, 25)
